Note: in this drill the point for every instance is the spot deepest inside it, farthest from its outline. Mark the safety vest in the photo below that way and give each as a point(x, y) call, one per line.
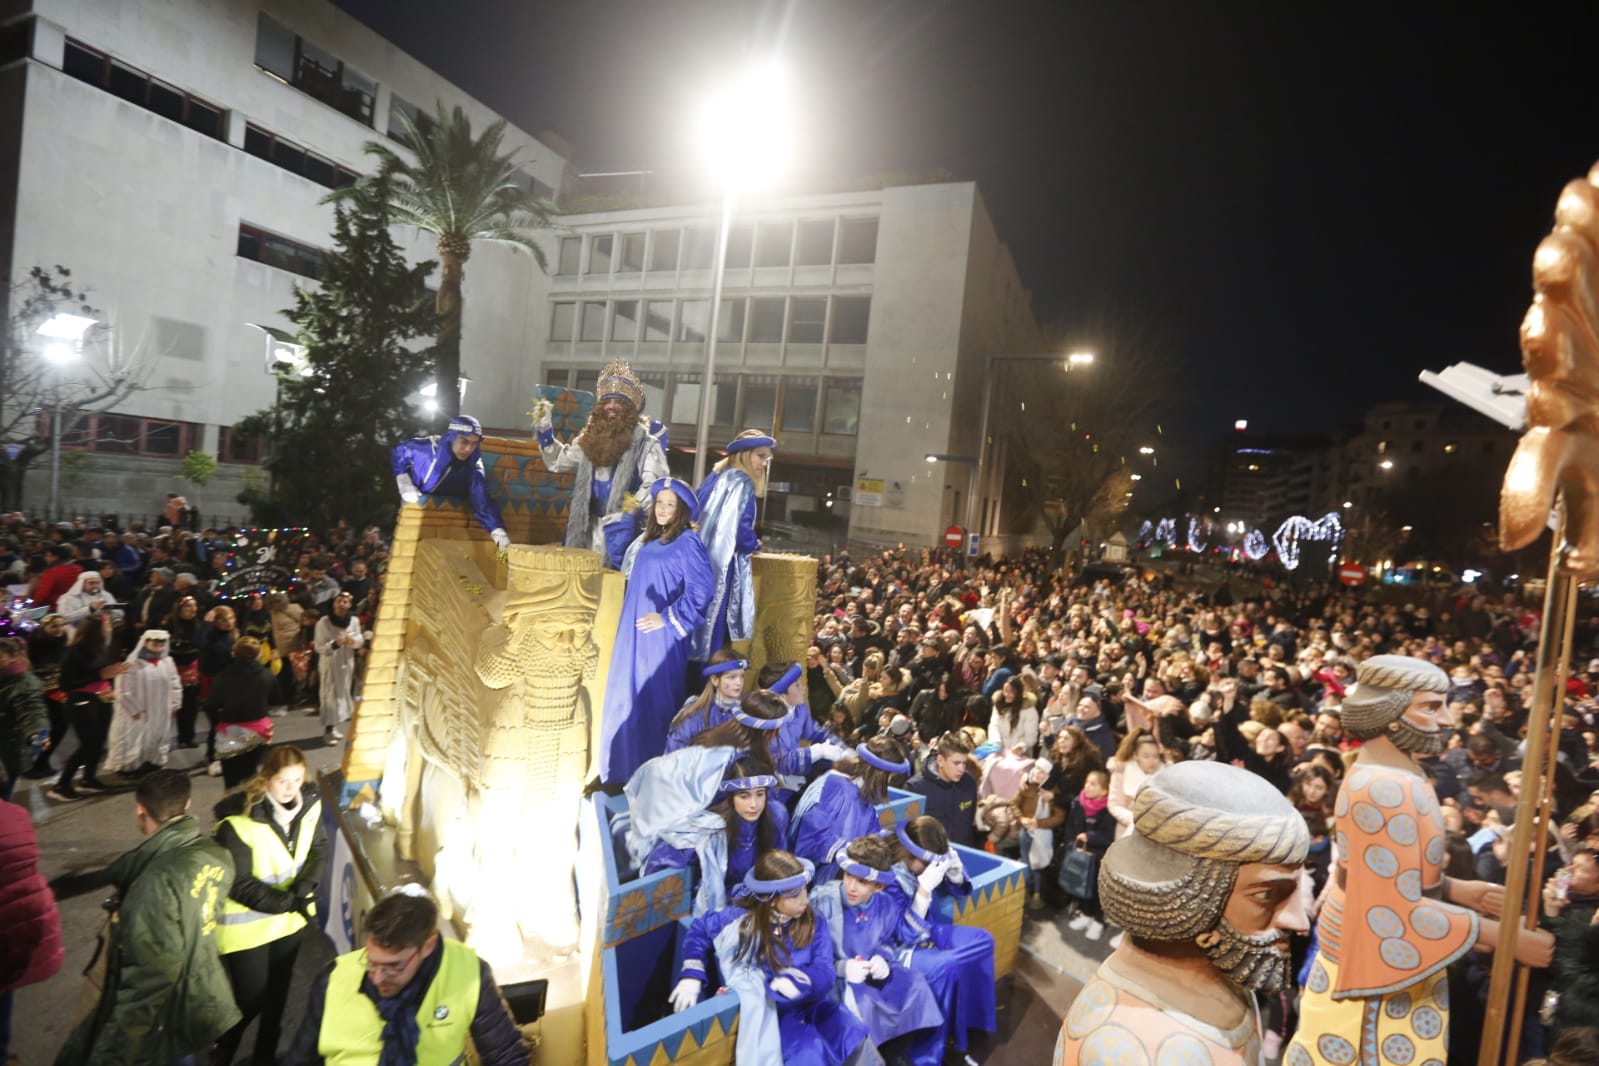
point(240, 928)
point(352, 1029)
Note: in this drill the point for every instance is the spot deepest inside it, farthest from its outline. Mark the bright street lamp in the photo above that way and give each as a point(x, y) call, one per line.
point(744, 134)
point(1387, 464)
point(65, 334)
point(1080, 358)
point(1146, 450)
point(64, 327)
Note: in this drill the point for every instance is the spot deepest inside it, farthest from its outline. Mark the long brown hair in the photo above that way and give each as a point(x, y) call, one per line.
point(735, 734)
point(702, 702)
point(767, 834)
point(279, 757)
point(654, 531)
point(760, 936)
point(874, 782)
point(1083, 757)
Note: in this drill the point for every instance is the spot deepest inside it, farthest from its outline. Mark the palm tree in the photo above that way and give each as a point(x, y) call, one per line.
point(461, 189)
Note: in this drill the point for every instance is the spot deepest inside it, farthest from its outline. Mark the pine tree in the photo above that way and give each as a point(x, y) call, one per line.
point(329, 434)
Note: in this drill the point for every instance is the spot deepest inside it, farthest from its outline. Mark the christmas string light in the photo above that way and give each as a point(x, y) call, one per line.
point(1255, 545)
point(1195, 544)
point(1298, 528)
point(1166, 531)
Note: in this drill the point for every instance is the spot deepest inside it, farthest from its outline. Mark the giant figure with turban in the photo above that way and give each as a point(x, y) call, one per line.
point(613, 461)
point(1208, 888)
point(1378, 991)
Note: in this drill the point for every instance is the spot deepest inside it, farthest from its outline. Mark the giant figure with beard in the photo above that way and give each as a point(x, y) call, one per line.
point(614, 460)
point(1208, 888)
point(1378, 990)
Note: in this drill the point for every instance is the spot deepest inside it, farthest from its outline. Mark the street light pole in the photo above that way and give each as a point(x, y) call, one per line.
point(702, 440)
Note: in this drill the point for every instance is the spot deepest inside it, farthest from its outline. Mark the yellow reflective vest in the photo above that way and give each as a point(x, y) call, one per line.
point(239, 928)
point(352, 1029)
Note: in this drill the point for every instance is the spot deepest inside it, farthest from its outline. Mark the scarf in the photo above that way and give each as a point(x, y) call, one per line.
point(283, 815)
point(1092, 807)
point(401, 1033)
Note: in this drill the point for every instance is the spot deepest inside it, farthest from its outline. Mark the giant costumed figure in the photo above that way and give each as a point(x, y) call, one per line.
point(727, 499)
point(1208, 888)
point(613, 461)
point(449, 465)
point(1378, 991)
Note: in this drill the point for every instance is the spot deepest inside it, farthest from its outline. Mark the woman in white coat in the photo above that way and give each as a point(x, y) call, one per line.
point(338, 639)
point(149, 694)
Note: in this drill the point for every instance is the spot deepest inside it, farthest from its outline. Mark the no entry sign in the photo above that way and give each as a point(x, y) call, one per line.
point(1352, 574)
point(954, 537)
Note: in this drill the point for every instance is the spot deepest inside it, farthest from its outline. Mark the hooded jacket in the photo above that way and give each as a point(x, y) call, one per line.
point(166, 994)
point(433, 468)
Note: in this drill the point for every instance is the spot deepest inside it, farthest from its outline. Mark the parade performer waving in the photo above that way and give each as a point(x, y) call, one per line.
point(450, 465)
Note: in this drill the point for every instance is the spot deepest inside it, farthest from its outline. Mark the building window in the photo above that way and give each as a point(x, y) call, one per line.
point(593, 322)
point(1417, 447)
point(235, 447)
point(686, 399)
point(400, 109)
point(316, 73)
point(269, 248)
point(699, 247)
point(813, 245)
point(693, 321)
point(624, 320)
point(110, 434)
point(600, 254)
point(141, 90)
point(267, 145)
point(632, 253)
point(807, 319)
point(1382, 447)
point(799, 407)
point(658, 320)
point(571, 256)
point(843, 415)
point(654, 383)
point(663, 249)
point(730, 327)
point(760, 402)
point(850, 315)
point(1450, 449)
point(562, 318)
point(739, 238)
point(773, 244)
point(857, 240)
point(766, 319)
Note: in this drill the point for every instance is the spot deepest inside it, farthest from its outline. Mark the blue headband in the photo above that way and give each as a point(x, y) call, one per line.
point(744, 444)
point(866, 873)
point(466, 424)
point(743, 717)
point(902, 830)
point(881, 763)
point(791, 675)
point(766, 890)
point(684, 493)
point(745, 784)
point(722, 668)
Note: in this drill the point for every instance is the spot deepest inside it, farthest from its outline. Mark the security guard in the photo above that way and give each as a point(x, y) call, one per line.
point(272, 826)
point(409, 996)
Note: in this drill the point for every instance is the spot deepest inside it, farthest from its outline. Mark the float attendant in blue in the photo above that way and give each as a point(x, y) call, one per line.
point(450, 465)
point(728, 495)
point(668, 588)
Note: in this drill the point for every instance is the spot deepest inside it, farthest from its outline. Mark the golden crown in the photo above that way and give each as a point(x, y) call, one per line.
point(618, 379)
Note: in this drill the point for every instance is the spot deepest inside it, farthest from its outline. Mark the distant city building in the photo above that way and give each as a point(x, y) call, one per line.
point(1259, 478)
point(175, 156)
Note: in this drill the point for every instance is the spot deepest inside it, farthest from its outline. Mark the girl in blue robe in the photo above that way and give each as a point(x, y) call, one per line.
point(669, 585)
point(750, 826)
point(729, 493)
point(842, 804)
point(868, 926)
point(957, 960)
point(724, 687)
point(771, 949)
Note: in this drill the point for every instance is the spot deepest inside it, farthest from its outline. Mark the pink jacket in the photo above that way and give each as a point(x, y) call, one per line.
point(30, 950)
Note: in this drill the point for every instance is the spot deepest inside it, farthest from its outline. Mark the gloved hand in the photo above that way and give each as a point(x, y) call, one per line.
point(828, 750)
point(543, 414)
point(856, 970)
point(407, 487)
point(685, 994)
point(502, 539)
point(933, 876)
point(879, 968)
point(783, 988)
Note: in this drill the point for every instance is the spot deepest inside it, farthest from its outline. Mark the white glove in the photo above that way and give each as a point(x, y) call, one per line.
point(933, 876)
point(856, 970)
point(543, 414)
point(782, 986)
point(685, 994)
point(407, 487)
point(501, 539)
point(879, 967)
point(828, 750)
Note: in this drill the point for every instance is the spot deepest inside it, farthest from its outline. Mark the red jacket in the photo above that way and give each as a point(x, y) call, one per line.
point(30, 950)
point(54, 582)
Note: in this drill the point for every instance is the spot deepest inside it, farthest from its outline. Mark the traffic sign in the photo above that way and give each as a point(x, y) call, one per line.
point(1352, 574)
point(954, 537)
point(971, 544)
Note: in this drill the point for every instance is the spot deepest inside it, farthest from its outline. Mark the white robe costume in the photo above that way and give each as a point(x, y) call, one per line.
point(336, 665)
point(149, 694)
point(77, 602)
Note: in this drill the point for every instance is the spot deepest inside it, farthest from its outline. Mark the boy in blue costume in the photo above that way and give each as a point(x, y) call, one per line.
point(449, 465)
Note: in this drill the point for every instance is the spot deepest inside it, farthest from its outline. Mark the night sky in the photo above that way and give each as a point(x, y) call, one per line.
point(1300, 209)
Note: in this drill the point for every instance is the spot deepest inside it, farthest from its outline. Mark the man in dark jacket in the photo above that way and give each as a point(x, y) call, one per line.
point(951, 793)
point(165, 995)
point(1575, 970)
point(406, 969)
point(24, 721)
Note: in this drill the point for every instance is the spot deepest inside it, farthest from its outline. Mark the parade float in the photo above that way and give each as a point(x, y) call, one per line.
point(469, 754)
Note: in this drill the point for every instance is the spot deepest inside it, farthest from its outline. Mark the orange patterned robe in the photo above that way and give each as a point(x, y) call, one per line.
point(1116, 1022)
point(1378, 992)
